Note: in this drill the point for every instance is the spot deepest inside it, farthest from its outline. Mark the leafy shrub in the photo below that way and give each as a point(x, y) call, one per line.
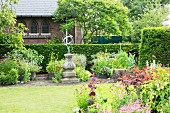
point(82, 74)
point(136, 76)
point(10, 78)
point(105, 63)
point(79, 60)
point(155, 41)
point(28, 55)
point(58, 76)
point(124, 60)
point(26, 76)
point(155, 93)
point(34, 68)
point(54, 66)
point(7, 65)
point(22, 67)
point(2, 79)
point(56, 40)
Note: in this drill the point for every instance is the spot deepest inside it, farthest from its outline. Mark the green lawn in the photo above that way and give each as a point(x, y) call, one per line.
point(44, 99)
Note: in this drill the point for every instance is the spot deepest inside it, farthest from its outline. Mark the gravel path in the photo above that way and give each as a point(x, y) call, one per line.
point(42, 81)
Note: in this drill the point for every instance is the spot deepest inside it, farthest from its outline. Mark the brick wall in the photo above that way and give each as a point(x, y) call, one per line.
point(54, 28)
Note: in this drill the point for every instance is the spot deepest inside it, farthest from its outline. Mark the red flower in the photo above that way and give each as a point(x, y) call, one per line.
point(92, 93)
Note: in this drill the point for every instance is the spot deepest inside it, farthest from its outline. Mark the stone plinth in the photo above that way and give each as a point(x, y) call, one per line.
point(69, 75)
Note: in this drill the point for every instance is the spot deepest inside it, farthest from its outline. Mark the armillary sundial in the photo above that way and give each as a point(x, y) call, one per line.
point(69, 75)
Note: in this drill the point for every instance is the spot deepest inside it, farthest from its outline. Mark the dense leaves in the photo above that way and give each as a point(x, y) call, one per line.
point(10, 33)
point(156, 93)
point(137, 7)
point(60, 49)
point(137, 76)
point(95, 17)
point(149, 18)
point(155, 41)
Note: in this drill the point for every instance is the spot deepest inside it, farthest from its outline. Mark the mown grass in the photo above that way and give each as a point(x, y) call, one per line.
point(44, 99)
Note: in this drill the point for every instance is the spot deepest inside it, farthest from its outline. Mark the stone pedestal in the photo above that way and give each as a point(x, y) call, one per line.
point(69, 75)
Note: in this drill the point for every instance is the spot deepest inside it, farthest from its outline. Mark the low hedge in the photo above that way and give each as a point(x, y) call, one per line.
point(86, 49)
point(155, 41)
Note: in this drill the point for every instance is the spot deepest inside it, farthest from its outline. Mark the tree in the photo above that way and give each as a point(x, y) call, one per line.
point(95, 17)
point(151, 18)
point(145, 13)
point(137, 7)
point(9, 32)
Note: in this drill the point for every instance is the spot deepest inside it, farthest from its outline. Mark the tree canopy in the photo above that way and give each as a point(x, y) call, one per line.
point(137, 7)
point(145, 13)
point(9, 32)
point(94, 17)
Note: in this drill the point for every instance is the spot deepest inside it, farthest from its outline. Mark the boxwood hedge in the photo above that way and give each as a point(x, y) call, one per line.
point(86, 49)
point(155, 41)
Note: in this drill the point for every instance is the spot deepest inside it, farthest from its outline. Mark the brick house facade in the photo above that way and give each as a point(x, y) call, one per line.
point(37, 16)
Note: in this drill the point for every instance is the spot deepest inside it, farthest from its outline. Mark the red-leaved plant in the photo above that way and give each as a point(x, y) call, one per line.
point(137, 76)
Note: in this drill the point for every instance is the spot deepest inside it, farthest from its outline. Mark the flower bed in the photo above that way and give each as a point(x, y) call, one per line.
point(144, 90)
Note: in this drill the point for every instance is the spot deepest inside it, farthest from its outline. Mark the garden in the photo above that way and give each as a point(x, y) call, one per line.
point(136, 75)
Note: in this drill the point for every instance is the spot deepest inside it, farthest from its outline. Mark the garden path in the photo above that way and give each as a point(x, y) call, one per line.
point(42, 81)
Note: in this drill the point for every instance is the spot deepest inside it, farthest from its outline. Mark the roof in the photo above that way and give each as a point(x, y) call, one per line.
point(35, 8)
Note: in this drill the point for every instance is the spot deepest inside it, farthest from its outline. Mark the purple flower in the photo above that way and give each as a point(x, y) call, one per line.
point(90, 102)
point(106, 111)
point(90, 86)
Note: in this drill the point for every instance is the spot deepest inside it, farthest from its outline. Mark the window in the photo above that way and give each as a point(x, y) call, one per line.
point(45, 27)
point(34, 27)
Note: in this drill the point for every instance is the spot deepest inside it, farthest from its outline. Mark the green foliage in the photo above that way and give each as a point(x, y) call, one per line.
point(82, 74)
point(10, 78)
point(149, 18)
point(54, 66)
point(79, 60)
point(95, 17)
point(58, 77)
point(105, 63)
point(10, 33)
point(155, 41)
point(26, 76)
point(155, 93)
point(137, 7)
point(56, 40)
point(7, 65)
point(60, 49)
point(29, 55)
point(26, 59)
point(123, 60)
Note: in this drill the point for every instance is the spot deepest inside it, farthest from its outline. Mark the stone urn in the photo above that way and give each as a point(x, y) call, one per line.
point(69, 75)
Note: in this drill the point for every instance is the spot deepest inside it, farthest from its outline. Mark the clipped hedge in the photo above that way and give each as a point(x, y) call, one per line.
point(155, 41)
point(86, 49)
